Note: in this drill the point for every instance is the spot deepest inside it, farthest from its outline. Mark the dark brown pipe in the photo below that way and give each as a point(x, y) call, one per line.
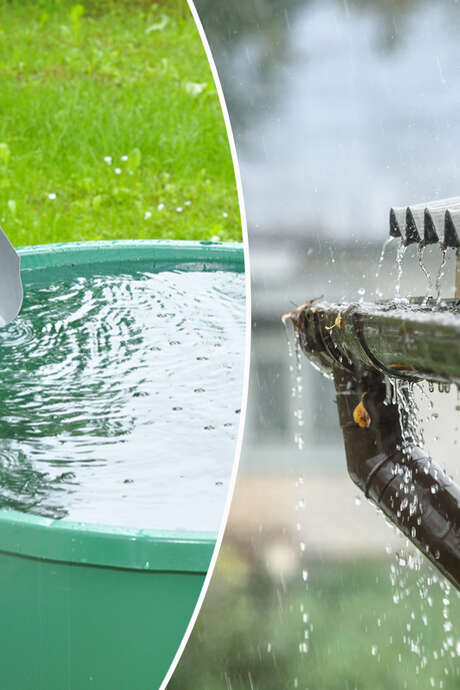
point(413, 492)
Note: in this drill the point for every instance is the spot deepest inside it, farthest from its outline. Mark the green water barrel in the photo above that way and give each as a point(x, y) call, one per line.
point(90, 606)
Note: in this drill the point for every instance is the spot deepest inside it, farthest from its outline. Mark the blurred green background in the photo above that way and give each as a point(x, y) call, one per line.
point(110, 125)
point(351, 625)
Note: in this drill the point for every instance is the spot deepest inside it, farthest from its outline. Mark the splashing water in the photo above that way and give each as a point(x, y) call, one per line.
point(295, 370)
point(409, 563)
point(386, 244)
point(119, 398)
point(399, 263)
point(440, 275)
point(295, 353)
point(429, 290)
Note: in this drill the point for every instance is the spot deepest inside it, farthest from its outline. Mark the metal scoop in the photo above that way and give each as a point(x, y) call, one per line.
point(11, 292)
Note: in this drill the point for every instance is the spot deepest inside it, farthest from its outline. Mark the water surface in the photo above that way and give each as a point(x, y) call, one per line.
point(120, 398)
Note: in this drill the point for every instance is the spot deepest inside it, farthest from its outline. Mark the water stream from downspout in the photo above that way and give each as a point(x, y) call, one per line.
point(295, 370)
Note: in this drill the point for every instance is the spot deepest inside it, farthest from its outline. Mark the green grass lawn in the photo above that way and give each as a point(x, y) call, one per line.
point(110, 125)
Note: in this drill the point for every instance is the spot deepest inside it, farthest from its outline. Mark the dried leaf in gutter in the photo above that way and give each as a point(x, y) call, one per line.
point(339, 322)
point(361, 416)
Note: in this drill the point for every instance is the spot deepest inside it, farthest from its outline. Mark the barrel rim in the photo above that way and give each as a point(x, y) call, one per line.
point(72, 254)
point(93, 544)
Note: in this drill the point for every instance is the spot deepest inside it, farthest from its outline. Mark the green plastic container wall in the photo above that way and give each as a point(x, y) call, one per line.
point(88, 606)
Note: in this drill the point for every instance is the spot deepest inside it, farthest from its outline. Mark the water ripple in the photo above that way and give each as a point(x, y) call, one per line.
point(118, 398)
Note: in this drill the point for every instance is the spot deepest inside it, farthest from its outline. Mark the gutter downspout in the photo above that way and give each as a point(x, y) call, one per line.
point(409, 488)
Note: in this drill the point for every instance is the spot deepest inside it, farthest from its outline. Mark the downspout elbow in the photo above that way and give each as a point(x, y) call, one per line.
point(409, 488)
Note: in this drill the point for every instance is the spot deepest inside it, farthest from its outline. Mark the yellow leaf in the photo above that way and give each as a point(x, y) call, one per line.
point(361, 416)
point(339, 322)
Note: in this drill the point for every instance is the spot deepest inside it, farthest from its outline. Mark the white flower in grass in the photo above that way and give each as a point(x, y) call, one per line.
point(225, 214)
point(108, 160)
point(117, 171)
point(52, 196)
point(147, 215)
point(194, 88)
point(179, 209)
point(124, 158)
point(215, 238)
point(160, 207)
point(187, 203)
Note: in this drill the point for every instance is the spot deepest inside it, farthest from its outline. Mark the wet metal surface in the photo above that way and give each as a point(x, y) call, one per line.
point(413, 339)
point(428, 222)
